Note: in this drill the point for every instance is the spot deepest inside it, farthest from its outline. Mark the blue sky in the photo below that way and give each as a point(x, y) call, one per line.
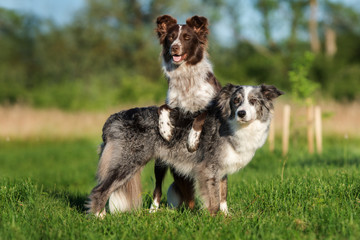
point(62, 12)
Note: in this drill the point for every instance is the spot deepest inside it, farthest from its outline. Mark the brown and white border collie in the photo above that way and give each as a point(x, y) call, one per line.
point(192, 86)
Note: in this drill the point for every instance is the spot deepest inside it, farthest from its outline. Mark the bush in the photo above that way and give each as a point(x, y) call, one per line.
point(100, 91)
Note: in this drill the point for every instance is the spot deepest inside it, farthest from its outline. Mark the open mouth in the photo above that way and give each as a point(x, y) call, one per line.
point(178, 58)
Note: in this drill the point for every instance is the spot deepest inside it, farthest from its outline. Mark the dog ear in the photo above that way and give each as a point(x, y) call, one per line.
point(223, 100)
point(200, 26)
point(163, 23)
point(270, 92)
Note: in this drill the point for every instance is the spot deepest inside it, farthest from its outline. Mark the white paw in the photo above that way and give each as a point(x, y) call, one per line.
point(224, 208)
point(154, 206)
point(193, 140)
point(165, 126)
point(101, 215)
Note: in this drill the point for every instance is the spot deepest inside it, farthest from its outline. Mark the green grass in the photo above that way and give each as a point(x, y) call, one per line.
point(44, 184)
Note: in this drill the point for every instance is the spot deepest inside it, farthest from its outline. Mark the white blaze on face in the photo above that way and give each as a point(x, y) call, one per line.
point(177, 42)
point(247, 107)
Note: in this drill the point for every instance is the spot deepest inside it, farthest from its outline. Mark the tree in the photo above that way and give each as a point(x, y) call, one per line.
point(313, 28)
point(297, 9)
point(266, 7)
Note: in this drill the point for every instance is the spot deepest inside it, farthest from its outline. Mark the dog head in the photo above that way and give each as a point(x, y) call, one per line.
point(244, 104)
point(182, 42)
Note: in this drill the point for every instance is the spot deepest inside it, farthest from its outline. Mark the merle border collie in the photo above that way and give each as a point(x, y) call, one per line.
point(236, 125)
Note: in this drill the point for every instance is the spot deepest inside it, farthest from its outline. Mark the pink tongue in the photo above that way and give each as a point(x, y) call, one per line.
point(176, 58)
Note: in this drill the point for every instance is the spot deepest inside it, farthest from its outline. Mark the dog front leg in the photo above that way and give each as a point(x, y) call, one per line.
point(209, 190)
point(195, 132)
point(223, 195)
point(165, 126)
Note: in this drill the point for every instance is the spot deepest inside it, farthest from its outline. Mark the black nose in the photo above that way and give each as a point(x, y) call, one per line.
point(242, 113)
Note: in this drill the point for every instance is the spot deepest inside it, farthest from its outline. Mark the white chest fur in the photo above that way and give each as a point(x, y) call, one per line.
point(241, 147)
point(188, 86)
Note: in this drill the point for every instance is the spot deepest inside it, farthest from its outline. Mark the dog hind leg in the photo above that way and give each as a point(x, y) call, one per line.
point(181, 191)
point(160, 171)
point(113, 174)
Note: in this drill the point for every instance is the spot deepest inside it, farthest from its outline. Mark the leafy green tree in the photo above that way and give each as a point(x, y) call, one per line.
point(302, 88)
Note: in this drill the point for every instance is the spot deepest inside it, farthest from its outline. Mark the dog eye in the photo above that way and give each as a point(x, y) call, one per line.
point(236, 100)
point(170, 38)
point(252, 101)
point(187, 37)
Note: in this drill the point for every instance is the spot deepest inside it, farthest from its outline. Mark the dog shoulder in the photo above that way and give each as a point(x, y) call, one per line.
point(211, 79)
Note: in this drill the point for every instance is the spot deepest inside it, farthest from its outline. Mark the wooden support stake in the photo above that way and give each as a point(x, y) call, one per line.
point(318, 129)
point(310, 128)
point(286, 130)
point(272, 136)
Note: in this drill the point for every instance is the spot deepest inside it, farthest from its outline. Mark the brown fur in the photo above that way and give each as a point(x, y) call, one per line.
point(184, 186)
point(104, 162)
point(199, 121)
point(160, 171)
point(223, 189)
point(163, 23)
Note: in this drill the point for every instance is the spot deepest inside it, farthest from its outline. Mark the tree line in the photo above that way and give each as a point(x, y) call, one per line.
point(109, 54)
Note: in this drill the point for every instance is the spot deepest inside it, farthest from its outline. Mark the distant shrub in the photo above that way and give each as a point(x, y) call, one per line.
point(100, 91)
point(345, 85)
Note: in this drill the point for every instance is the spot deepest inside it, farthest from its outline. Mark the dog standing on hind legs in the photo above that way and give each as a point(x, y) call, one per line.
point(236, 126)
point(192, 86)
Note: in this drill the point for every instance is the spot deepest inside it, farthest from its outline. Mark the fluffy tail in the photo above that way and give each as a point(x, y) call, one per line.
point(124, 194)
point(128, 196)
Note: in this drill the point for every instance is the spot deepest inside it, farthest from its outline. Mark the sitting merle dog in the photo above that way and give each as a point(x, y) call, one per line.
point(236, 125)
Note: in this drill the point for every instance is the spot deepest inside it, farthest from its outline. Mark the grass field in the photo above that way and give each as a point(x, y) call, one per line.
point(44, 184)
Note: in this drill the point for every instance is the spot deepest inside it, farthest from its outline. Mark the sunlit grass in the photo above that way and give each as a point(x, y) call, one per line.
point(45, 183)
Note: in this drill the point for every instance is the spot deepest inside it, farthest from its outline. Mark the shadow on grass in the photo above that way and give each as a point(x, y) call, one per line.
point(353, 161)
point(73, 200)
point(78, 202)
